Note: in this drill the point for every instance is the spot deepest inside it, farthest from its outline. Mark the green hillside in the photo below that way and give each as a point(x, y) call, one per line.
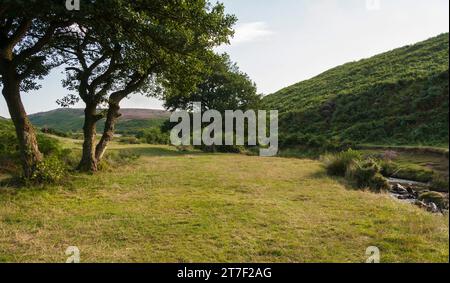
point(397, 98)
point(71, 120)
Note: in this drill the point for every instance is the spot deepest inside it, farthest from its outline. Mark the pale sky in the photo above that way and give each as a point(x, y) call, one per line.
point(282, 42)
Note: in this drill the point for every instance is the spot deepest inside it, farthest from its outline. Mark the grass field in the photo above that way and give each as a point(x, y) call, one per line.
point(169, 206)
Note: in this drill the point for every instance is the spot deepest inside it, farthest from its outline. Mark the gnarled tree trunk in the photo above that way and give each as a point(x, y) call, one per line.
point(88, 161)
point(30, 154)
point(108, 133)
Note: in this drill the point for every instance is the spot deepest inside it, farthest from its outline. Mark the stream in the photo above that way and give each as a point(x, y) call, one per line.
point(408, 191)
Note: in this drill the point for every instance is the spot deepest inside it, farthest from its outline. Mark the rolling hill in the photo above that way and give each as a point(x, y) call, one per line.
point(398, 98)
point(132, 120)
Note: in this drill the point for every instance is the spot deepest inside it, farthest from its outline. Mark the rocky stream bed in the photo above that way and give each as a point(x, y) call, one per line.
point(419, 194)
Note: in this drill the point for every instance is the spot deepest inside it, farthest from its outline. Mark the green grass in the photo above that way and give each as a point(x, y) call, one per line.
point(419, 161)
point(169, 206)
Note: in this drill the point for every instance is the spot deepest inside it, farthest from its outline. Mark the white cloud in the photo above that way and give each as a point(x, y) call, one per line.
point(250, 32)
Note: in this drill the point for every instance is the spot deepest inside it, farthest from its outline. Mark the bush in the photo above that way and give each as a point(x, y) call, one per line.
point(129, 140)
point(8, 144)
point(155, 136)
point(48, 145)
point(50, 170)
point(54, 132)
point(366, 174)
point(439, 183)
point(337, 164)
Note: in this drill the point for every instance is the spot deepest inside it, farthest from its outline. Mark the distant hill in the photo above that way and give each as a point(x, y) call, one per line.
point(399, 97)
point(131, 121)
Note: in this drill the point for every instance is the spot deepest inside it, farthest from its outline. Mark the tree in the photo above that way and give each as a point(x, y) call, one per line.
point(226, 87)
point(150, 46)
point(26, 30)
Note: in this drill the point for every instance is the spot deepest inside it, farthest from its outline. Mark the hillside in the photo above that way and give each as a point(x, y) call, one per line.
point(399, 97)
point(132, 120)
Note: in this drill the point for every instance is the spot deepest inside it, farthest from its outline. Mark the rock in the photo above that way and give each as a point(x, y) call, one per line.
point(399, 189)
point(432, 207)
point(436, 198)
point(410, 190)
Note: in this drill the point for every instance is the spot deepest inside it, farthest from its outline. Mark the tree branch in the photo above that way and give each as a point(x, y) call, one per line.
point(20, 32)
point(135, 83)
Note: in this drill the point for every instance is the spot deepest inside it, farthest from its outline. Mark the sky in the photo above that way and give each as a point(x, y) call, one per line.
point(281, 42)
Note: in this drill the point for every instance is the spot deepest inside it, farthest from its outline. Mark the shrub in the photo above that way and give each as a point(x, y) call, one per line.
point(388, 168)
point(129, 140)
point(155, 136)
point(8, 144)
point(379, 183)
point(54, 132)
point(337, 164)
point(440, 182)
point(49, 145)
point(366, 174)
point(50, 170)
point(70, 158)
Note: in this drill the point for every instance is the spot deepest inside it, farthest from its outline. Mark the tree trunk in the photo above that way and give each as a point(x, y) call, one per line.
point(29, 150)
point(88, 162)
point(108, 132)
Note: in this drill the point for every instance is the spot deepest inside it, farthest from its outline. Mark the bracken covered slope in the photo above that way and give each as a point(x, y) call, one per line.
point(398, 97)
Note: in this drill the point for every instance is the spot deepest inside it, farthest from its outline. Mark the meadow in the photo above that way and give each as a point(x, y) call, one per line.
point(173, 206)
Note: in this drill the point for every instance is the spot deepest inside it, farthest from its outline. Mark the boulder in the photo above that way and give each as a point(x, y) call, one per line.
point(399, 189)
point(436, 198)
point(412, 192)
point(432, 207)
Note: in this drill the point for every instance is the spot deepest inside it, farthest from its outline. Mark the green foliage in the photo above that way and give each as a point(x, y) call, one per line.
point(9, 147)
point(49, 145)
point(55, 132)
point(406, 171)
point(399, 97)
point(154, 136)
point(51, 170)
point(57, 159)
point(440, 182)
point(337, 164)
point(223, 87)
point(129, 140)
point(367, 174)
point(364, 173)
